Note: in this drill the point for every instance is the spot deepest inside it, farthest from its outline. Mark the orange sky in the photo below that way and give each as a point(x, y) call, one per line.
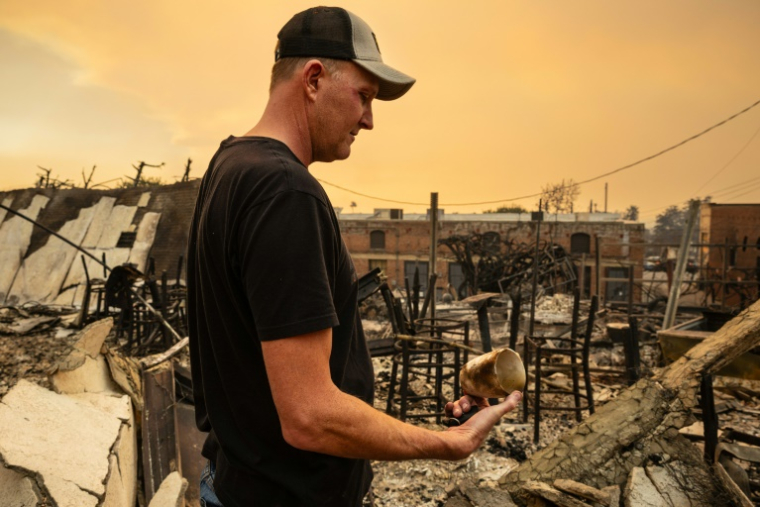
point(510, 95)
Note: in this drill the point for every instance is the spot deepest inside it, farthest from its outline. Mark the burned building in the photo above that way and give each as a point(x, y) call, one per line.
point(147, 227)
point(399, 243)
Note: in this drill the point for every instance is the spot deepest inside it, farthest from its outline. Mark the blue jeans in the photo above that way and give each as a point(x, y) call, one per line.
point(208, 497)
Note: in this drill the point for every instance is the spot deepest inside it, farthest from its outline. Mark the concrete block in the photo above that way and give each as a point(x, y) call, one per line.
point(93, 376)
point(669, 486)
point(41, 275)
point(641, 492)
point(171, 493)
point(99, 223)
point(144, 200)
point(17, 489)
point(101, 238)
point(85, 369)
point(614, 492)
point(146, 233)
point(64, 441)
point(119, 221)
point(90, 339)
point(121, 488)
point(7, 202)
point(117, 406)
point(15, 237)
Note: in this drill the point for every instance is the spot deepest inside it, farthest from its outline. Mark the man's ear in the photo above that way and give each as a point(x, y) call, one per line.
point(313, 72)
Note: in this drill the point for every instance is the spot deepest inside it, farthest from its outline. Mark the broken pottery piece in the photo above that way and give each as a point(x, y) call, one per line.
point(494, 374)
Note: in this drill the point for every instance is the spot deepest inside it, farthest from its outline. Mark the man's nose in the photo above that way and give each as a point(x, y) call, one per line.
point(366, 121)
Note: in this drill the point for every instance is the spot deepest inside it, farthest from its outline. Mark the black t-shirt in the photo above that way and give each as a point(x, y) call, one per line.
point(265, 262)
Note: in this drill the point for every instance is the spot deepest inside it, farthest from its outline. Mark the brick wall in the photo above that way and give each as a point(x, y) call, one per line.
point(409, 241)
point(735, 224)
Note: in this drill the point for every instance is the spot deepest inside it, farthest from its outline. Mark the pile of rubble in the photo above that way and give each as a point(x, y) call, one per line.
point(74, 444)
point(76, 428)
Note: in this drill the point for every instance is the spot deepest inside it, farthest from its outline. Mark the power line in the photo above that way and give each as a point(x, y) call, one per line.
point(604, 175)
point(745, 193)
point(377, 198)
point(723, 192)
point(730, 161)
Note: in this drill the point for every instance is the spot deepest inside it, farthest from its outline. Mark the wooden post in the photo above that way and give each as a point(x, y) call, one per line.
point(709, 417)
point(598, 282)
point(433, 248)
point(724, 275)
point(582, 276)
point(632, 355)
point(484, 327)
point(514, 320)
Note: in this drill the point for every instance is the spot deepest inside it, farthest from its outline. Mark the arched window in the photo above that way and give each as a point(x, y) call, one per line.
point(580, 243)
point(377, 240)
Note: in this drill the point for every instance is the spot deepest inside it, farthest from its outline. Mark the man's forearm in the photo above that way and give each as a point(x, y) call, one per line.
point(346, 426)
point(321, 418)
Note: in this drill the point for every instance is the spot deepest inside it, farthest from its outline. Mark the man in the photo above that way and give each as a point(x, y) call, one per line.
point(282, 376)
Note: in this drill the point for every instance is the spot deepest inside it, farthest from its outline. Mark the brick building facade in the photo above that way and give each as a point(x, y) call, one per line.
point(734, 224)
point(733, 231)
point(399, 245)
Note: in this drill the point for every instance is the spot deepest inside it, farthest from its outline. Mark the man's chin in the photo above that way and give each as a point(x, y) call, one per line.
point(341, 154)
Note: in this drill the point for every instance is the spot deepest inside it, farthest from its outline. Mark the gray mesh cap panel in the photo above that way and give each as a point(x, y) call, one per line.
point(393, 83)
point(365, 43)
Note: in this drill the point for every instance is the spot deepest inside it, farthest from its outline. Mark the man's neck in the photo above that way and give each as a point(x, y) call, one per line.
point(286, 124)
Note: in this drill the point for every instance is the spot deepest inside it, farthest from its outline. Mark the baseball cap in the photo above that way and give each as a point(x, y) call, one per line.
point(333, 32)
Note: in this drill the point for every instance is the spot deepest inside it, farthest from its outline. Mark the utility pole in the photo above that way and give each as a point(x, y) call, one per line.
point(605, 197)
point(433, 248)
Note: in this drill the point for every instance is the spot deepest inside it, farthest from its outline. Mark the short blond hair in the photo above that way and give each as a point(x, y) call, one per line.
point(284, 68)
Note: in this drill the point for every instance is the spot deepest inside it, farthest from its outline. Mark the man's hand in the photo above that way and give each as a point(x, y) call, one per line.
point(463, 405)
point(476, 429)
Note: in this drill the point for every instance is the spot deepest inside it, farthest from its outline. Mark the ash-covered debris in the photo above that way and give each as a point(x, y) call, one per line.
point(29, 352)
point(556, 309)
